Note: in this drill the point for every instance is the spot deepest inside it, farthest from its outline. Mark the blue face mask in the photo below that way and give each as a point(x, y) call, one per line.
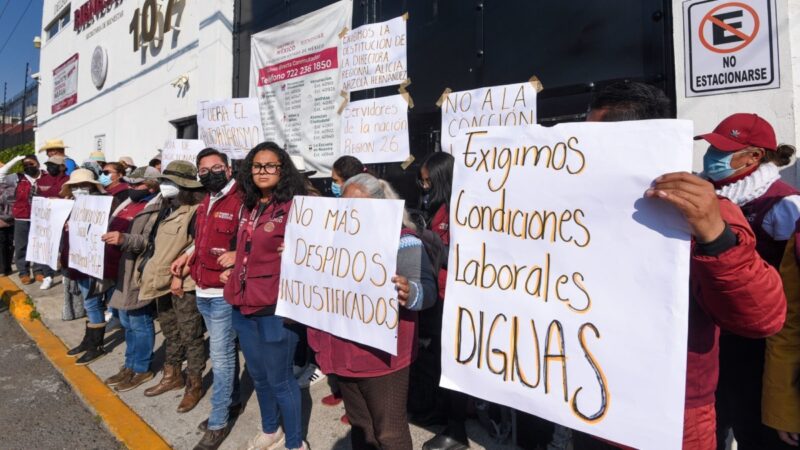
point(717, 164)
point(336, 189)
point(105, 180)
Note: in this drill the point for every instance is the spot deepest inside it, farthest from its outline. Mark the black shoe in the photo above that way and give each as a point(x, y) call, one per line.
point(444, 442)
point(95, 348)
point(428, 418)
point(212, 439)
point(83, 346)
point(233, 412)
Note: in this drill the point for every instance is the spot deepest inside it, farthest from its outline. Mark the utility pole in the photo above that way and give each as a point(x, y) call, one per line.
point(3, 126)
point(24, 98)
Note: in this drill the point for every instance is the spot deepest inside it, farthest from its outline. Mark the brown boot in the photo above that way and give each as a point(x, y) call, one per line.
point(135, 381)
point(172, 379)
point(194, 392)
point(123, 375)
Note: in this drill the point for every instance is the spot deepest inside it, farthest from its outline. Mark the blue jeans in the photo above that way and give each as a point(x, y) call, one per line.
point(268, 349)
point(216, 314)
point(94, 304)
point(140, 337)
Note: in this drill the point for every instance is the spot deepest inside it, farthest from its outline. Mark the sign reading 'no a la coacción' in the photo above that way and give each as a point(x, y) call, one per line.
point(731, 46)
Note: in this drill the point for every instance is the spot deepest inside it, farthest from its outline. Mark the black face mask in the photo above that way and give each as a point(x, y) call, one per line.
point(53, 170)
point(137, 195)
point(31, 171)
point(214, 181)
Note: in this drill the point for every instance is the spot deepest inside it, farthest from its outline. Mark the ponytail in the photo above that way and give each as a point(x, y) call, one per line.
point(782, 156)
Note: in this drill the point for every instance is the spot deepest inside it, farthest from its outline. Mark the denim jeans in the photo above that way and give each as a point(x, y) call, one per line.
point(216, 314)
point(94, 304)
point(268, 349)
point(140, 337)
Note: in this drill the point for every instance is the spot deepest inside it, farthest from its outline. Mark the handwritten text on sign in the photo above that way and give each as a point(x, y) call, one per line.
point(511, 105)
point(232, 126)
point(337, 268)
point(376, 130)
point(374, 55)
point(47, 222)
point(88, 221)
point(180, 150)
point(555, 302)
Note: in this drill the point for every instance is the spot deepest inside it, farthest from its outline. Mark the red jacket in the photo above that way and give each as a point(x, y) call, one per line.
point(215, 229)
point(253, 283)
point(736, 291)
point(440, 224)
point(22, 198)
point(49, 186)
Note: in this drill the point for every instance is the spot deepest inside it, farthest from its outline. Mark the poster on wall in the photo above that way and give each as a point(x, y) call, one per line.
point(181, 150)
point(47, 223)
point(731, 46)
point(295, 74)
point(555, 305)
point(374, 55)
point(65, 84)
point(376, 130)
point(510, 105)
point(232, 126)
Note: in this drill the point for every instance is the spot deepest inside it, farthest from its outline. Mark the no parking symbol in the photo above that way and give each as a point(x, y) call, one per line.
point(731, 46)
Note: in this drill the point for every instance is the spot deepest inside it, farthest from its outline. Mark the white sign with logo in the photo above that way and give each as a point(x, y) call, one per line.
point(731, 46)
point(232, 126)
point(376, 130)
point(65, 84)
point(87, 223)
point(556, 305)
point(181, 150)
point(47, 223)
point(337, 268)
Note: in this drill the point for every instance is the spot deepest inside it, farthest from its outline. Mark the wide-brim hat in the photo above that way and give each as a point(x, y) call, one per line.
point(98, 156)
point(141, 175)
point(79, 176)
point(52, 144)
point(182, 173)
point(300, 164)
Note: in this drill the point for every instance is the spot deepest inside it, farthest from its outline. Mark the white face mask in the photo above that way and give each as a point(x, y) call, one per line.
point(80, 191)
point(169, 190)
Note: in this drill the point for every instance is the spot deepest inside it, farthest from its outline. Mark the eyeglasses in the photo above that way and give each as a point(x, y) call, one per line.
point(216, 168)
point(269, 169)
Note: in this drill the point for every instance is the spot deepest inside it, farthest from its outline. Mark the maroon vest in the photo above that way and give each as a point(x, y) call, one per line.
point(755, 211)
point(215, 230)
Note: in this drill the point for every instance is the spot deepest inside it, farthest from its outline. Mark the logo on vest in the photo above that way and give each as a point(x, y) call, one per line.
point(269, 227)
point(223, 215)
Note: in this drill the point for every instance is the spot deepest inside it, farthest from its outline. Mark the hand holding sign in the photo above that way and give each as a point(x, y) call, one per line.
point(113, 238)
point(696, 200)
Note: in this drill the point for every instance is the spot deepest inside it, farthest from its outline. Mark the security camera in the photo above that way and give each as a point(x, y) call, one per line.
point(35, 76)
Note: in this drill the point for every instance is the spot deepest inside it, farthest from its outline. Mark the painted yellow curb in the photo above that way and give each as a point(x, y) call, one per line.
point(125, 424)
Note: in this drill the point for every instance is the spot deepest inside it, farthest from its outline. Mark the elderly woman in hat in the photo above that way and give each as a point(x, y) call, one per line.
point(174, 296)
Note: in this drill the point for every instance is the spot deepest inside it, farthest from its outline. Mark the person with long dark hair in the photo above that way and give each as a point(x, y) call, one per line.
point(268, 180)
point(343, 169)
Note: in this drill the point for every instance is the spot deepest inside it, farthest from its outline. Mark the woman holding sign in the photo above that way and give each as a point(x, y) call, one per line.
point(268, 180)
point(374, 384)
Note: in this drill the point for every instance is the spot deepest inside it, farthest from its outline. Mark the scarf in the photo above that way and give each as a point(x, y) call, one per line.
point(752, 186)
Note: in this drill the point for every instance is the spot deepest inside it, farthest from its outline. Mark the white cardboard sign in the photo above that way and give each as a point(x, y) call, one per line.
point(509, 105)
point(87, 223)
point(337, 268)
point(232, 126)
point(567, 291)
point(180, 150)
point(374, 55)
point(48, 216)
point(376, 130)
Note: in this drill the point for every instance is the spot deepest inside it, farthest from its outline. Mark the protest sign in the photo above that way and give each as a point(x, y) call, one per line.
point(232, 126)
point(511, 105)
point(376, 130)
point(374, 55)
point(180, 150)
point(47, 223)
point(567, 291)
point(295, 74)
point(337, 268)
point(87, 223)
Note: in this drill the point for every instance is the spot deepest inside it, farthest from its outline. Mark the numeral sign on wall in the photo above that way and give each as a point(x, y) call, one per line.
point(144, 23)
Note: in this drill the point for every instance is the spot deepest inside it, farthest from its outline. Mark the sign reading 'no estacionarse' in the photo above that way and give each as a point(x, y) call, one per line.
point(731, 46)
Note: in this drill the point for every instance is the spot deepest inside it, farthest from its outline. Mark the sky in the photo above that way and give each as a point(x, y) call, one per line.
point(16, 45)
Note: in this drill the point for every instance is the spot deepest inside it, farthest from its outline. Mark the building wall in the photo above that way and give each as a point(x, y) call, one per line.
point(780, 107)
point(134, 107)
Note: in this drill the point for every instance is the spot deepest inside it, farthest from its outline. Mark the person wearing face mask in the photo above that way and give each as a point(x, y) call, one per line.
point(56, 147)
point(743, 161)
point(111, 179)
point(343, 168)
point(49, 186)
point(143, 205)
point(24, 186)
point(93, 291)
point(215, 229)
point(174, 296)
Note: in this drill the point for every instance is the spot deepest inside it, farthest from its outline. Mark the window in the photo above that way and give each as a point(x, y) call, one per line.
point(58, 24)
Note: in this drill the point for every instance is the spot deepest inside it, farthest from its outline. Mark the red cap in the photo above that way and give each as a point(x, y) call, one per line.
point(740, 131)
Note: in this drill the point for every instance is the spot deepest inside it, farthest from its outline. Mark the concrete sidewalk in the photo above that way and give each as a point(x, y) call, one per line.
point(324, 429)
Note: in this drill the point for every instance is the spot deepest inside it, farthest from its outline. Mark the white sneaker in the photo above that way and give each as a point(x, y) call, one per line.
point(310, 377)
point(264, 441)
point(47, 283)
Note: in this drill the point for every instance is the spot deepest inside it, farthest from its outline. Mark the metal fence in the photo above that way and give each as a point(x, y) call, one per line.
point(18, 117)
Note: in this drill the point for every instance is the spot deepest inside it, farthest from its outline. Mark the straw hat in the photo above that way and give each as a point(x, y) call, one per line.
point(182, 173)
point(80, 176)
point(97, 156)
point(300, 163)
point(53, 144)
